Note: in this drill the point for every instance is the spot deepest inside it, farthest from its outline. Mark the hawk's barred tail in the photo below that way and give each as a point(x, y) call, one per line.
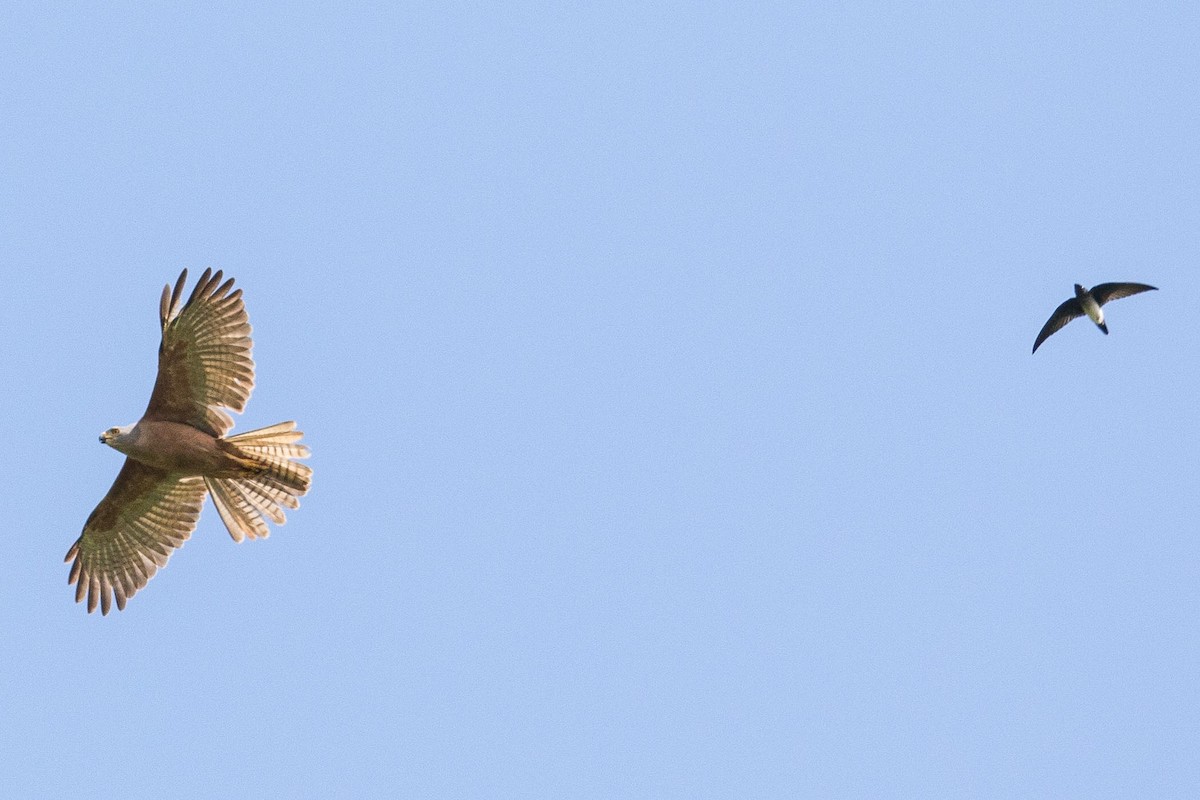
point(272, 480)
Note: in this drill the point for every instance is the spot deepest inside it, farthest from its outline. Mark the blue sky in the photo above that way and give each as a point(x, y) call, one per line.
point(667, 375)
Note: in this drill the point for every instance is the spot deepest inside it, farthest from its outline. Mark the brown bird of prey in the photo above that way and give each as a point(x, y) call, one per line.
point(1088, 301)
point(178, 452)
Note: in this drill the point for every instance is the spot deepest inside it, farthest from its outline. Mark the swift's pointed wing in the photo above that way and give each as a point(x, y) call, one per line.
point(145, 515)
point(204, 360)
point(1115, 291)
point(1066, 312)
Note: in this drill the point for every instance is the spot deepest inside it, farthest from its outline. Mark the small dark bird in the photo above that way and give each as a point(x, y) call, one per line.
point(1088, 302)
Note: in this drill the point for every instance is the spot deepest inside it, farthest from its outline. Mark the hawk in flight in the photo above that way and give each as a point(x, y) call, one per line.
point(177, 453)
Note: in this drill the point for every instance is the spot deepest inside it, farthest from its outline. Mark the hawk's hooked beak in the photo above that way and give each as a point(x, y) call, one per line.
point(104, 438)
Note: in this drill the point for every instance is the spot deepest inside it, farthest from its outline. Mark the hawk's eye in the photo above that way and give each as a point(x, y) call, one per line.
point(113, 431)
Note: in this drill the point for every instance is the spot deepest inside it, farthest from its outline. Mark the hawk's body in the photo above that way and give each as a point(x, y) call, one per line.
point(174, 447)
point(178, 453)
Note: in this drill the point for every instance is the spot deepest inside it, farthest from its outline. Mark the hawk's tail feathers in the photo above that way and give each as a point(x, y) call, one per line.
point(277, 440)
point(271, 452)
point(273, 480)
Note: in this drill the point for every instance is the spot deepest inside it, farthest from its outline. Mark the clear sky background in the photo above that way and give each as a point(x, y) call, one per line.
point(666, 369)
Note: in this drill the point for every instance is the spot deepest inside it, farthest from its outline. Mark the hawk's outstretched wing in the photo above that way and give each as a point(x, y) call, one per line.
point(145, 515)
point(1106, 292)
point(204, 360)
point(1069, 310)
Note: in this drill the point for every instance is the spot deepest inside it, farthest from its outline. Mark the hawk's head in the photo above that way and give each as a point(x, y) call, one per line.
point(113, 436)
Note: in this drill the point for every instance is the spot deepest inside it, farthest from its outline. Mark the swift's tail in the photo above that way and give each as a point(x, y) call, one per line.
point(272, 480)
